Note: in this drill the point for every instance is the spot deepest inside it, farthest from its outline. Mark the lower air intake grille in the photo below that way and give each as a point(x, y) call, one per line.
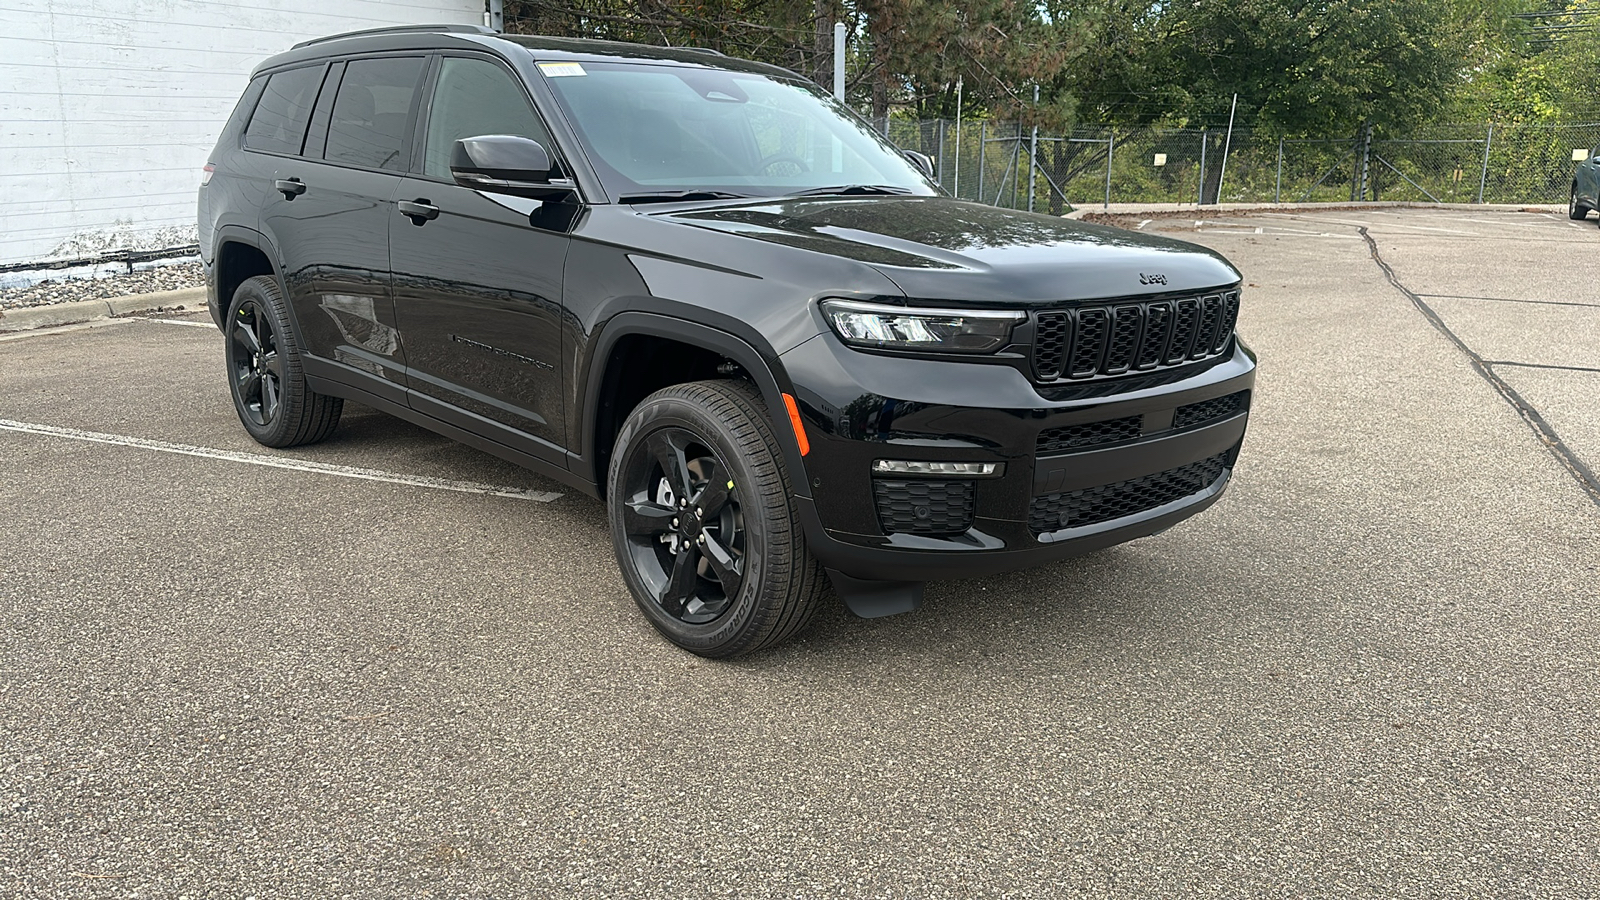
point(1086, 434)
point(1091, 506)
point(1208, 410)
point(923, 507)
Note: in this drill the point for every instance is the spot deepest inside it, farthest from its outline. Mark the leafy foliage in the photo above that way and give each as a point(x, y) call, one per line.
point(1299, 67)
point(1538, 69)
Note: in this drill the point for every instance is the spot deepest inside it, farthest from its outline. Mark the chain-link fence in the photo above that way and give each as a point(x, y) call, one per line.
point(1008, 165)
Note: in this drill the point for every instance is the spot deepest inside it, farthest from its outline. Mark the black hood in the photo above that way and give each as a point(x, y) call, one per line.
point(939, 248)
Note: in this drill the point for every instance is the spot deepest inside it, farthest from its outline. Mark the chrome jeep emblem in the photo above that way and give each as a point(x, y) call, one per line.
point(1152, 279)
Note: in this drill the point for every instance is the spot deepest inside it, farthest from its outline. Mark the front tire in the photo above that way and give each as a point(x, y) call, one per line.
point(265, 374)
point(1575, 210)
point(703, 521)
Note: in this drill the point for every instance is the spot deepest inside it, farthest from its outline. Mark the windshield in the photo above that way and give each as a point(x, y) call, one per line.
point(654, 129)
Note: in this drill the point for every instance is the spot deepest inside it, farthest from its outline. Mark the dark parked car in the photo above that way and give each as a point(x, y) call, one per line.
point(1585, 186)
point(704, 291)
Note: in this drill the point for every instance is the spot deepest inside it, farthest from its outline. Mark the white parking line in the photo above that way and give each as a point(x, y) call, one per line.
point(1277, 231)
point(1547, 221)
point(1317, 218)
point(182, 322)
point(279, 462)
point(62, 329)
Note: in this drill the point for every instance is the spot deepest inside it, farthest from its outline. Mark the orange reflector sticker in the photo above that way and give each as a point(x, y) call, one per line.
point(799, 429)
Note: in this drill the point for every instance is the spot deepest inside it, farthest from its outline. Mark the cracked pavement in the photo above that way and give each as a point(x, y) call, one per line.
point(1370, 669)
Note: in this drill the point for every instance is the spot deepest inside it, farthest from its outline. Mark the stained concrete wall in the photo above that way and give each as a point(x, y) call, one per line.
point(109, 108)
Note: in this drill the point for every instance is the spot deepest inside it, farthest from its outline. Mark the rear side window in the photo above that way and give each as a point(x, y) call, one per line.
point(279, 122)
point(475, 97)
point(368, 125)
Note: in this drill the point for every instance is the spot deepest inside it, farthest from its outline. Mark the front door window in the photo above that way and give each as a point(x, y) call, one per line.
point(475, 97)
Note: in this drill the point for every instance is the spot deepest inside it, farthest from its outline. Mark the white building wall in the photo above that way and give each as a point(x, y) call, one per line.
point(109, 108)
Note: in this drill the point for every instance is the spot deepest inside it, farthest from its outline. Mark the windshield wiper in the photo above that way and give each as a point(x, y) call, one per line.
point(674, 196)
point(851, 189)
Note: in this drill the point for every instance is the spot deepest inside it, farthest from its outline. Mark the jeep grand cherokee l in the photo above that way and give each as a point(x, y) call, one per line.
point(702, 290)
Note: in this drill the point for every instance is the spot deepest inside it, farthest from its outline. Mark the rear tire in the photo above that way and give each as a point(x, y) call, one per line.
point(265, 374)
point(1575, 210)
point(704, 524)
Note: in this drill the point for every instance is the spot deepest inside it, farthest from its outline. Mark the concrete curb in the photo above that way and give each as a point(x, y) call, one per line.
point(1171, 209)
point(30, 317)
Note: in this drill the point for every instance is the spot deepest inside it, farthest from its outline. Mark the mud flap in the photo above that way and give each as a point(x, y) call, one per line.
point(875, 599)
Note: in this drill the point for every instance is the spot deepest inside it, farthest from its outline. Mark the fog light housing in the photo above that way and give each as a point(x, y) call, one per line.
point(926, 467)
point(925, 506)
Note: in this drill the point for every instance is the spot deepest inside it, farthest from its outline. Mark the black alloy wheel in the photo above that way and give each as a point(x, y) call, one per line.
point(265, 375)
point(704, 523)
point(685, 527)
point(1575, 210)
point(256, 364)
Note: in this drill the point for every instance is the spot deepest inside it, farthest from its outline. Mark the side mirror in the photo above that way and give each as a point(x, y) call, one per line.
point(507, 164)
point(922, 161)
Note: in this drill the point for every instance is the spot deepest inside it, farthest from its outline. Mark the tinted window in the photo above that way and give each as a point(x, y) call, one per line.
point(475, 97)
point(368, 127)
point(279, 122)
point(689, 127)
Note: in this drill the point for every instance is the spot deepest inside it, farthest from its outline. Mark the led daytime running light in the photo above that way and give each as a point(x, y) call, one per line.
point(925, 467)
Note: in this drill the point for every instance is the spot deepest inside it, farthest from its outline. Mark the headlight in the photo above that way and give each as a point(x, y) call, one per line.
point(902, 328)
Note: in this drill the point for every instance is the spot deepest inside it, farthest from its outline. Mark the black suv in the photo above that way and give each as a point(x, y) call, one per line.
point(701, 289)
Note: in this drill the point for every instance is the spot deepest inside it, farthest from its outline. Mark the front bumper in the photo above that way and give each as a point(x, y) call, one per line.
point(1101, 464)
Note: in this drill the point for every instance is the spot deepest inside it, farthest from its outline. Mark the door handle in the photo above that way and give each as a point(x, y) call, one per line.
point(290, 187)
point(420, 210)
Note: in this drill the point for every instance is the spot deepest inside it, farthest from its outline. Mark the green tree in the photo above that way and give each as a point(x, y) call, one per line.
point(1313, 67)
point(1299, 67)
point(1538, 67)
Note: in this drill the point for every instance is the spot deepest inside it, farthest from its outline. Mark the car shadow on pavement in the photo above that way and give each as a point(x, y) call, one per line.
point(1127, 593)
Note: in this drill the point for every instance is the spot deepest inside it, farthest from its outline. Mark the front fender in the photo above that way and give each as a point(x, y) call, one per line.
point(761, 365)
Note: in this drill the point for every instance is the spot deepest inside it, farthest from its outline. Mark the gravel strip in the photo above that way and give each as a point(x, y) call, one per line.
point(64, 288)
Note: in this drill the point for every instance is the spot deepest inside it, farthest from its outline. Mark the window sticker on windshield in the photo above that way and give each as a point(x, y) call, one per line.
point(561, 70)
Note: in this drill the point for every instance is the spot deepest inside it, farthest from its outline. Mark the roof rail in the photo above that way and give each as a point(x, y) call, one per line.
point(400, 29)
point(703, 50)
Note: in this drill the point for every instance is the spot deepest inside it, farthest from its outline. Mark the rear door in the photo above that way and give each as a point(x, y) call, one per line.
point(328, 213)
point(478, 285)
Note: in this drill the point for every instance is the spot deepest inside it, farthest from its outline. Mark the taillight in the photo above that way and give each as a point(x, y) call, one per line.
point(205, 174)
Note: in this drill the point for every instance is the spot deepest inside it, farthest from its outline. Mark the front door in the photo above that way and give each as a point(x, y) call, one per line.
point(477, 276)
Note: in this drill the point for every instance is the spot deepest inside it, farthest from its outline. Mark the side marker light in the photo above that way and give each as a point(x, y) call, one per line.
point(794, 422)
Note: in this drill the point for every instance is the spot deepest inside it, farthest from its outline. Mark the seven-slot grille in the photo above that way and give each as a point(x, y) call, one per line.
point(1112, 339)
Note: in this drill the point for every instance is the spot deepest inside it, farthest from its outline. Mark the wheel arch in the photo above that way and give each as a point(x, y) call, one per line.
point(240, 254)
point(608, 367)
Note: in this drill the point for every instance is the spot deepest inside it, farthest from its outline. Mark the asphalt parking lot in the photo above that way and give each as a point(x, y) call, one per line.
point(391, 666)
